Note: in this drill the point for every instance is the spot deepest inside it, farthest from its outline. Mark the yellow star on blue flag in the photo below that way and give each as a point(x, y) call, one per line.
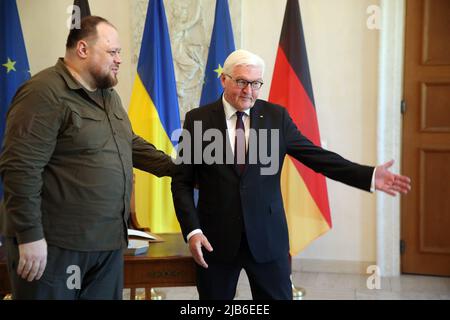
point(221, 45)
point(219, 70)
point(9, 65)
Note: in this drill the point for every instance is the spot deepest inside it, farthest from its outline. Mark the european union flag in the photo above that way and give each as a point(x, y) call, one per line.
point(14, 68)
point(222, 44)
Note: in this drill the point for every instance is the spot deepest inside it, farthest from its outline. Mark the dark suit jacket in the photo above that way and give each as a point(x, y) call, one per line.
point(230, 204)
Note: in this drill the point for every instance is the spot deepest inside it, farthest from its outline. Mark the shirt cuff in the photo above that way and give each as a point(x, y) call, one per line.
point(193, 232)
point(30, 235)
point(372, 184)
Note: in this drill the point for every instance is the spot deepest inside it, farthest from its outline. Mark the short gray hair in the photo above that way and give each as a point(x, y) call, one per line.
point(243, 57)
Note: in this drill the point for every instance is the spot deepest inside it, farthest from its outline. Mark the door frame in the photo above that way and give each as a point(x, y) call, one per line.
point(389, 130)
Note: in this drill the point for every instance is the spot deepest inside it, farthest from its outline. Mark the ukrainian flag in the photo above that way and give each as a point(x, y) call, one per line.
point(154, 115)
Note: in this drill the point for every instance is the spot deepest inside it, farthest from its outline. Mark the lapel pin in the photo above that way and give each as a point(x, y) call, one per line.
point(261, 116)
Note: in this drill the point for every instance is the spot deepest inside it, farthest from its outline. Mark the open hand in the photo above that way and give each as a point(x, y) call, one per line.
point(196, 242)
point(32, 259)
point(389, 182)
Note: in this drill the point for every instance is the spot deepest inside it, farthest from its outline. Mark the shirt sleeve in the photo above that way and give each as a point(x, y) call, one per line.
point(372, 184)
point(147, 158)
point(32, 127)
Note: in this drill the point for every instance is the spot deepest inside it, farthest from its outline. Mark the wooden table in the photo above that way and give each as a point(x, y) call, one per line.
point(166, 264)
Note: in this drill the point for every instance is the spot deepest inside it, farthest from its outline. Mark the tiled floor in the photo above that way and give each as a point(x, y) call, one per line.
point(326, 286)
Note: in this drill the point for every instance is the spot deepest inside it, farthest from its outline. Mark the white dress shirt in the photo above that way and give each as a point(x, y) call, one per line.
point(230, 116)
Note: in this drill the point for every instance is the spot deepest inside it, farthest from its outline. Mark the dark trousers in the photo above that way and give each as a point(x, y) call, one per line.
point(69, 275)
point(268, 281)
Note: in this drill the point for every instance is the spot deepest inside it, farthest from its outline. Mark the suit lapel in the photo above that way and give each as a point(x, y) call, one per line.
point(218, 121)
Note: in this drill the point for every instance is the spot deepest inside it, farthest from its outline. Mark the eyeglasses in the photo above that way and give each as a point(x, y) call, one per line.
point(241, 83)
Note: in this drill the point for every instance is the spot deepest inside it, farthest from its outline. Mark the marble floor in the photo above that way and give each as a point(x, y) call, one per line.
point(338, 286)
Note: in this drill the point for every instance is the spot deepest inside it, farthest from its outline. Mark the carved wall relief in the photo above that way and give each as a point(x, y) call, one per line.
point(190, 25)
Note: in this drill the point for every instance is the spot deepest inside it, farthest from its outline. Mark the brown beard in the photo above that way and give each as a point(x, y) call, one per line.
point(104, 81)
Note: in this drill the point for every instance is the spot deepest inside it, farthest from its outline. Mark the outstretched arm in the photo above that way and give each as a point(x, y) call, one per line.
point(147, 158)
point(389, 182)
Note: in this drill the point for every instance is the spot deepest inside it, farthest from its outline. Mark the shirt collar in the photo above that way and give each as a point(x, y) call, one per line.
point(230, 110)
point(67, 76)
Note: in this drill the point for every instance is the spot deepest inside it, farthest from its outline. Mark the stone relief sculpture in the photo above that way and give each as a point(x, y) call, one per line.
point(190, 25)
point(189, 49)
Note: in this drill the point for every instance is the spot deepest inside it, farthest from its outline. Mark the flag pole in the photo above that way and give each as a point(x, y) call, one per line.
point(154, 295)
point(298, 293)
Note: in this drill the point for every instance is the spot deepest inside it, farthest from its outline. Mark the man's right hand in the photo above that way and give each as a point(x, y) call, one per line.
point(196, 242)
point(32, 259)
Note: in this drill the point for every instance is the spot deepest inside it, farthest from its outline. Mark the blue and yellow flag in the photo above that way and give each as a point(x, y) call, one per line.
point(14, 68)
point(221, 45)
point(154, 115)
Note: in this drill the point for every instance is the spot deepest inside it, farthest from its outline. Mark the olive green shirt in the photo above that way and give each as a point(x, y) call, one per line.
point(67, 162)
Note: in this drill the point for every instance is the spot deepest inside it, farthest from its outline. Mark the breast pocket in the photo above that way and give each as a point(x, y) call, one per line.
point(89, 129)
point(123, 126)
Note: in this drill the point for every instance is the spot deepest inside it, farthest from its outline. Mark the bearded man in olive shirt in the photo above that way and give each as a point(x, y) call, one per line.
point(66, 167)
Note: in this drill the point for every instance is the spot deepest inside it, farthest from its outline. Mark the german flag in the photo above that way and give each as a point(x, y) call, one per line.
point(85, 11)
point(305, 193)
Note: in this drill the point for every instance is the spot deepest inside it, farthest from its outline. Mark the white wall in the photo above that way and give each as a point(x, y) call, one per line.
point(343, 57)
point(44, 26)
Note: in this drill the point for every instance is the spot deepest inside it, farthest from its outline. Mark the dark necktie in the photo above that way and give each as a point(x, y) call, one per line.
point(239, 143)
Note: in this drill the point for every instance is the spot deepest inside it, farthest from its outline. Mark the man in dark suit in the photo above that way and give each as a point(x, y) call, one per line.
point(240, 209)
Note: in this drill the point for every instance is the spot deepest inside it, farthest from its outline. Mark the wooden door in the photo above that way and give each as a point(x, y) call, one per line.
point(426, 139)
